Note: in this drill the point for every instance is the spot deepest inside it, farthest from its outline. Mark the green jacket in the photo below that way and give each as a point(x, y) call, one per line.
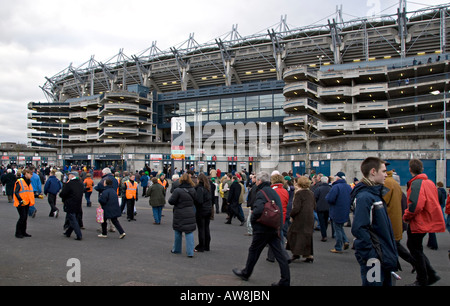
point(157, 194)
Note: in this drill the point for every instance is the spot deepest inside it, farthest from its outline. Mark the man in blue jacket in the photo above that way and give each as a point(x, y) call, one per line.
point(51, 189)
point(339, 200)
point(375, 246)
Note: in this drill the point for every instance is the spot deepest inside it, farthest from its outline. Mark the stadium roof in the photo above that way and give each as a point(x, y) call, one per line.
point(234, 59)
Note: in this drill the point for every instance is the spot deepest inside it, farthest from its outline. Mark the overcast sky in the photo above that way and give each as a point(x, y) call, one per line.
point(40, 38)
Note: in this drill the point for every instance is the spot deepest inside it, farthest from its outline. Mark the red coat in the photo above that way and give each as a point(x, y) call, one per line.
point(424, 213)
point(284, 197)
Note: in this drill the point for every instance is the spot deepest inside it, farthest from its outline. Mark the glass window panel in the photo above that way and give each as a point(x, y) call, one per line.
point(239, 103)
point(278, 100)
point(266, 102)
point(202, 106)
point(279, 113)
point(227, 116)
point(214, 106)
point(252, 114)
point(180, 109)
point(265, 114)
point(190, 118)
point(214, 117)
point(226, 105)
point(239, 115)
point(252, 103)
point(191, 107)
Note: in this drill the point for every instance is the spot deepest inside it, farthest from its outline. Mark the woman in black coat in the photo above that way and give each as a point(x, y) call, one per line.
point(183, 201)
point(203, 205)
point(111, 208)
point(9, 179)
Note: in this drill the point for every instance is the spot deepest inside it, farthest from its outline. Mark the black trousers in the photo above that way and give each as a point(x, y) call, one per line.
point(424, 269)
point(130, 208)
point(204, 236)
point(116, 224)
point(258, 243)
point(52, 203)
point(73, 225)
point(21, 226)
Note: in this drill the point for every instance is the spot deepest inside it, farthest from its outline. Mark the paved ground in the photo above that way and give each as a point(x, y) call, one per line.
point(143, 257)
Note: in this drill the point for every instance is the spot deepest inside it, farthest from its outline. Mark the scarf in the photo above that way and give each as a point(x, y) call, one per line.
point(368, 182)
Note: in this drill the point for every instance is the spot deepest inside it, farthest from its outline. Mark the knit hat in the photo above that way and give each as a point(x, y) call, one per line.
point(340, 174)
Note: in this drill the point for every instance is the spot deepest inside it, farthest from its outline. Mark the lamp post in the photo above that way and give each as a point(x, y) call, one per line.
point(62, 140)
point(437, 92)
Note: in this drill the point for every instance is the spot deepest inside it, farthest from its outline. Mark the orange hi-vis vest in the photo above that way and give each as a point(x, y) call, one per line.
point(163, 183)
point(131, 190)
point(118, 186)
point(26, 193)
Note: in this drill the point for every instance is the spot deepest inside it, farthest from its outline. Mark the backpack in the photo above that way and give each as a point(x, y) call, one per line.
point(271, 215)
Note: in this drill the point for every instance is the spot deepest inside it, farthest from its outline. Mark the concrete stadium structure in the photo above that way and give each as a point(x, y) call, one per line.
point(319, 97)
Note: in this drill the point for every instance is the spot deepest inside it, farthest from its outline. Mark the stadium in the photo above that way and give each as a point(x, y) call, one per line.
point(323, 97)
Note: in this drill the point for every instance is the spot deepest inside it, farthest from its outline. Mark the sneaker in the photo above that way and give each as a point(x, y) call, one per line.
point(102, 236)
point(122, 236)
point(346, 245)
point(55, 214)
point(336, 251)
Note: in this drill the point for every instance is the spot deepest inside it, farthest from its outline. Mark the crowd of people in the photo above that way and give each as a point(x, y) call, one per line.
point(381, 211)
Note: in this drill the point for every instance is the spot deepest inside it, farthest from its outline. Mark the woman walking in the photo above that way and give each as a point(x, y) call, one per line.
point(111, 209)
point(182, 200)
point(300, 233)
point(157, 194)
point(203, 205)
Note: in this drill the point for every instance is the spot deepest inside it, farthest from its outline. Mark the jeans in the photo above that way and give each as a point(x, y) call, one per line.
point(157, 212)
point(341, 238)
point(178, 243)
point(87, 196)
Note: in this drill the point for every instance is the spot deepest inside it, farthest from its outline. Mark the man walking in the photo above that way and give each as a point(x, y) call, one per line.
point(72, 196)
point(263, 235)
point(375, 245)
point(51, 189)
point(339, 199)
point(423, 215)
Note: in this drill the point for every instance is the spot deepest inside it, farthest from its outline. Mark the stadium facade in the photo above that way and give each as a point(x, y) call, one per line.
point(319, 97)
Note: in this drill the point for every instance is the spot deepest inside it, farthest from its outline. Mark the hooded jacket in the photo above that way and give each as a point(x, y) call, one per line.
point(372, 227)
point(339, 199)
point(424, 213)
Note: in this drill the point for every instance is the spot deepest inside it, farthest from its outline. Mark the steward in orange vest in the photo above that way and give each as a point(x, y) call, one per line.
point(162, 181)
point(131, 194)
point(23, 199)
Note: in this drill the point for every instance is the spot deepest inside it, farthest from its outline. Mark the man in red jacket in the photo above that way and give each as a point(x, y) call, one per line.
point(423, 215)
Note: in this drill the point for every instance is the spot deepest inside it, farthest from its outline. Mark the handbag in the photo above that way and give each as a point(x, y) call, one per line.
point(100, 215)
point(271, 215)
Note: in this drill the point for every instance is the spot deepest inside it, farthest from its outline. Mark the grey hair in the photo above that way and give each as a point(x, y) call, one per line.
point(324, 179)
point(106, 171)
point(263, 176)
